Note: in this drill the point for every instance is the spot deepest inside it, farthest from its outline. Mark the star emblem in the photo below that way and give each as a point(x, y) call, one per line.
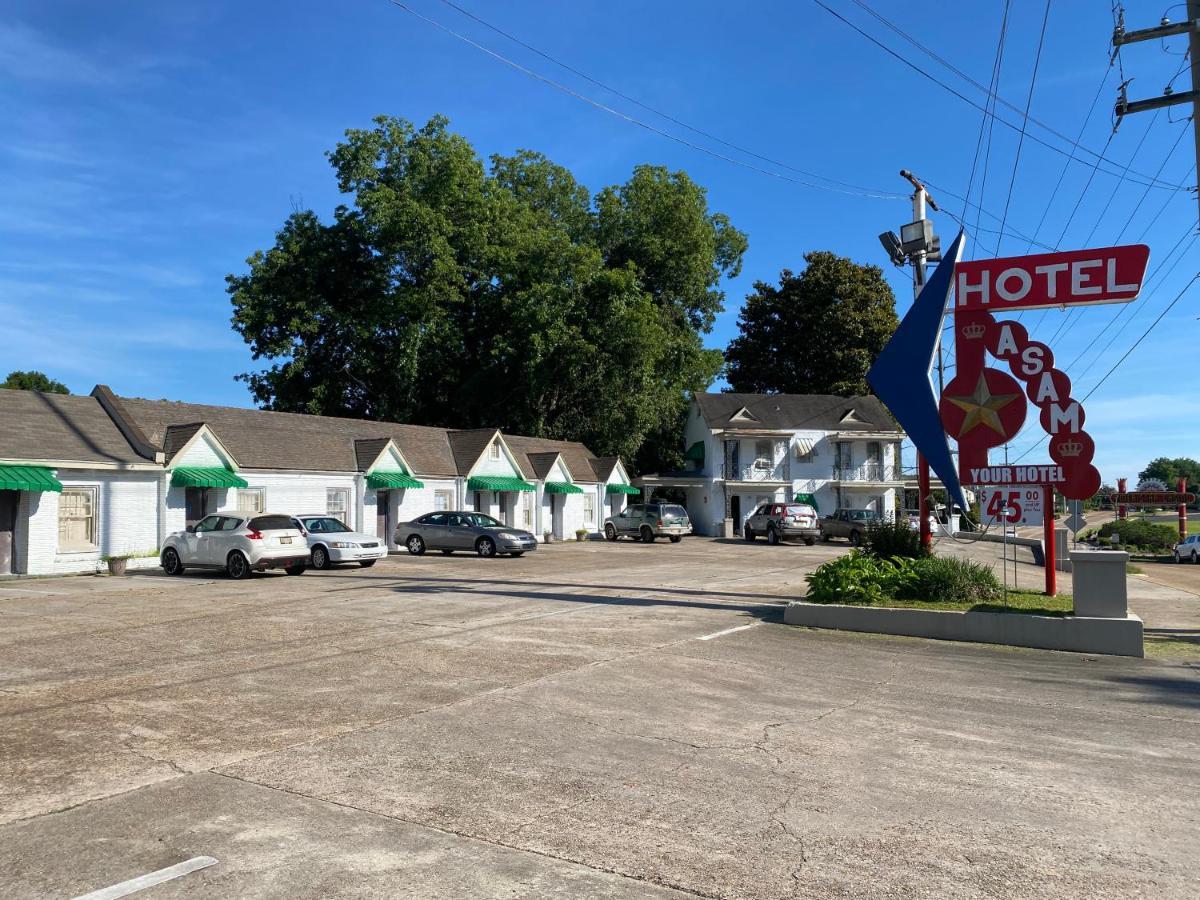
point(982, 407)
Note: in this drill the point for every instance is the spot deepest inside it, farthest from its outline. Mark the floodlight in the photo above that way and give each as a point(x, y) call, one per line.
point(916, 237)
point(891, 246)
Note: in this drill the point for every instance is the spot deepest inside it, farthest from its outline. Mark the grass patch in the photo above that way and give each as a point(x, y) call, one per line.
point(1131, 569)
point(1170, 648)
point(1030, 602)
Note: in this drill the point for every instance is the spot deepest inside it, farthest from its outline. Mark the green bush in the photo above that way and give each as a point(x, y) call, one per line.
point(891, 540)
point(859, 578)
point(1141, 534)
point(946, 579)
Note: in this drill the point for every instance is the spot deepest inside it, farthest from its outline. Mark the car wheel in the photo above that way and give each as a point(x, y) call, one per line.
point(295, 570)
point(772, 536)
point(366, 563)
point(675, 538)
point(808, 542)
point(610, 533)
point(1177, 559)
point(517, 554)
point(647, 535)
point(826, 537)
point(748, 533)
point(855, 539)
point(1195, 558)
point(415, 545)
point(320, 557)
point(447, 552)
point(171, 563)
point(486, 547)
point(237, 566)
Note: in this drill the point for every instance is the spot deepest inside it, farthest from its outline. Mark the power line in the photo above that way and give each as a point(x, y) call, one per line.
point(989, 118)
point(1037, 60)
point(658, 112)
point(924, 74)
point(993, 84)
point(853, 191)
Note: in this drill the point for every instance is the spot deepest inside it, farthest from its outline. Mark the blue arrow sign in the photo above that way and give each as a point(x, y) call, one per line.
point(900, 376)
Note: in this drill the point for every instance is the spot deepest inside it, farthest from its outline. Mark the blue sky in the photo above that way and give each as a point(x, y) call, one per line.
point(151, 147)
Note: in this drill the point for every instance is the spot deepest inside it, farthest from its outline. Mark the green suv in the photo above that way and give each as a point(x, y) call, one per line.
point(647, 521)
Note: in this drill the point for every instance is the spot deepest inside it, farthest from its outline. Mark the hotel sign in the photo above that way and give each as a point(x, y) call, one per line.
point(1074, 278)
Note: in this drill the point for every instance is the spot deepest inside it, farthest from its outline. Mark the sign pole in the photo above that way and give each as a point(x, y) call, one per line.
point(1051, 550)
point(1182, 511)
point(923, 479)
point(1122, 509)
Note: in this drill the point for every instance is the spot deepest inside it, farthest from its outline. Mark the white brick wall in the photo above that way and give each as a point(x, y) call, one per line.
point(126, 522)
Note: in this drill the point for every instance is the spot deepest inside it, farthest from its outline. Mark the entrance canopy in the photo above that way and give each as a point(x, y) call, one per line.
point(621, 489)
point(28, 478)
point(497, 483)
point(207, 477)
point(562, 487)
point(386, 481)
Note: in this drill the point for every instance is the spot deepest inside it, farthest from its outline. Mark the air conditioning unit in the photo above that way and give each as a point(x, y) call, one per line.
point(762, 464)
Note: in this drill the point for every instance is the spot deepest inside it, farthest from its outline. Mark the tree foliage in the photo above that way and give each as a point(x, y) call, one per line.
point(816, 333)
point(1169, 471)
point(447, 293)
point(34, 381)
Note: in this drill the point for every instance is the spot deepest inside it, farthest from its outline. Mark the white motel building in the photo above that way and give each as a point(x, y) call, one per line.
point(87, 477)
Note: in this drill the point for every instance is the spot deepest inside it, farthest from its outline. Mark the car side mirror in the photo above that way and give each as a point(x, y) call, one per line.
point(191, 529)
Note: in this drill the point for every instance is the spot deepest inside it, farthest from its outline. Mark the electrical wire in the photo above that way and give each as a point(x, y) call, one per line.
point(853, 191)
point(924, 74)
point(992, 86)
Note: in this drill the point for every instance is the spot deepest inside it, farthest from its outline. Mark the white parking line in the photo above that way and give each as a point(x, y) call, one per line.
point(125, 888)
point(5, 589)
point(717, 634)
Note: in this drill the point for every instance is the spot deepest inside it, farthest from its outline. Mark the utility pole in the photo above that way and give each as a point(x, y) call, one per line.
point(1165, 29)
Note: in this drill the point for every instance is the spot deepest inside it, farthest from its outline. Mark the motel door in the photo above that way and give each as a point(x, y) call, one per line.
point(383, 510)
point(196, 502)
point(8, 531)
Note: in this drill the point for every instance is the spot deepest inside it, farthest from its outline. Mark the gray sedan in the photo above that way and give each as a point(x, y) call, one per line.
point(465, 530)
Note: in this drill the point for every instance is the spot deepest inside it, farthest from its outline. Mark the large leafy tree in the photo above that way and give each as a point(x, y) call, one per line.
point(449, 293)
point(815, 333)
point(33, 381)
point(1169, 471)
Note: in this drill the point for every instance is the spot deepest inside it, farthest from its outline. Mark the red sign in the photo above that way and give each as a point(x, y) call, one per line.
point(1153, 498)
point(1038, 474)
point(1078, 277)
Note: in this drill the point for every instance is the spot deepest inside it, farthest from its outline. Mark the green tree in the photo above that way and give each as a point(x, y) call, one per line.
point(450, 293)
point(34, 381)
point(1169, 471)
point(816, 333)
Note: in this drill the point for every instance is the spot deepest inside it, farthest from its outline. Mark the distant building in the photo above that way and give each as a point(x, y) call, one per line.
point(743, 450)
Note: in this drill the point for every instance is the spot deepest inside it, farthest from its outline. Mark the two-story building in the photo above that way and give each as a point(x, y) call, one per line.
point(746, 449)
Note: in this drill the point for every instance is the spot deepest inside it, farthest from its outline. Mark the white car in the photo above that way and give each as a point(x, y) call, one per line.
point(331, 541)
point(1188, 549)
point(239, 543)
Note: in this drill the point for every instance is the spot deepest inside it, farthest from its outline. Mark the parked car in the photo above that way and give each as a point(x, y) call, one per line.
point(331, 541)
point(779, 521)
point(1189, 549)
point(851, 524)
point(647, 521)
point(237, 542)
point(463, 530)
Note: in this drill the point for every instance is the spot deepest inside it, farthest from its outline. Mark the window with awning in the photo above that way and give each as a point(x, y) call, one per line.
point(28, 478)
point(621, 489)
point(562, 487)
point(497, 483)
point(214, 477)
point(809, 499)
point(695, 452)
point(391, 481)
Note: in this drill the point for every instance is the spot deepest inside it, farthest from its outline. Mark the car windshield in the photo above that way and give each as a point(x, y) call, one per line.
point(482, 521)
point(324, 525)
point(861, 515)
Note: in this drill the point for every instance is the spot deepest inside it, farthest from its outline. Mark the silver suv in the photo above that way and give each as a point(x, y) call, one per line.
point(647, 521)
point(237, 542)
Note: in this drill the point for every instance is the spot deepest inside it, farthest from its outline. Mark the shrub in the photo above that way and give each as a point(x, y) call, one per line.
point(1141, 534)
point(945, 579)
point(891, 540)
point(859, 578)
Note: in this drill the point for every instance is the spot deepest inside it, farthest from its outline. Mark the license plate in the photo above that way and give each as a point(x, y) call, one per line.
point(285, 540)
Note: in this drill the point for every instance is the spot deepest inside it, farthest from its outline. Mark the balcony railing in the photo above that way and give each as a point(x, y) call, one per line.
point(780, 471)
point(867, 472)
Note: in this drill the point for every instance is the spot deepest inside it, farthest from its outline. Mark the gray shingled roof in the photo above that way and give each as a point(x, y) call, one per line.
point(603, 466)
point(821, 412)
point(367, 451)
point(36, 426)
point(177, 438)
point(468, 445)
point(541, 463)
point(576, 457)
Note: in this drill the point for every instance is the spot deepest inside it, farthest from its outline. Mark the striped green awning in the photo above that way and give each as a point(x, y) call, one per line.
point(206, 477)
point(28, 478)
point(809, 499)
point(387, 481)
point(562, 487)
point(497, 483)
point(696, 452)
point(621, 489)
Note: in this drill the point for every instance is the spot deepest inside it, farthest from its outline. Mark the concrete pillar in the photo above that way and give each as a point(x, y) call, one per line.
point(1099, 583)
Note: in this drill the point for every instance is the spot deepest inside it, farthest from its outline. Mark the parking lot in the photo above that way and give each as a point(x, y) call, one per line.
point(590, 720)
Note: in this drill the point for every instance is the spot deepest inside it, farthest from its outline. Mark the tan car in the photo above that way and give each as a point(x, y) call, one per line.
point(647, 521)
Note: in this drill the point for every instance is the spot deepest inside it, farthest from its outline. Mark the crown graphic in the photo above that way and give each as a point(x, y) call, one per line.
point(1070, 448)
point(973, 332)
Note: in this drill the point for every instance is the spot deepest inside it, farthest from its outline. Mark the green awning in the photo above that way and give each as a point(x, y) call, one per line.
point(497, 483)
point(209, 477)
point(562, 487)
point(621, 489)
point(696, 452)
point(386, 481)
point(28, 478)
point(809, 499)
